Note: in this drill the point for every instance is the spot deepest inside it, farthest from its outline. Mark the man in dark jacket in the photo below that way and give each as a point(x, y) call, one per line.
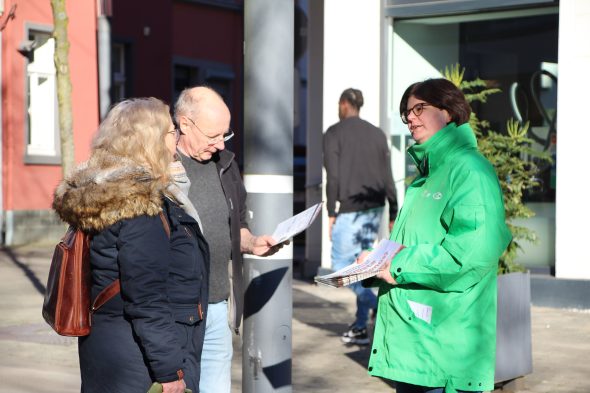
point(218, 194)
point(358, 167)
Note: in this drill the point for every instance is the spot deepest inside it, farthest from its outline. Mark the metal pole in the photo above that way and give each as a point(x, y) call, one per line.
point(268, 176)
point(315, 127)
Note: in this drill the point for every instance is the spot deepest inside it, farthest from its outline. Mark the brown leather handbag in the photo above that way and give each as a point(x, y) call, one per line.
point(66, 307)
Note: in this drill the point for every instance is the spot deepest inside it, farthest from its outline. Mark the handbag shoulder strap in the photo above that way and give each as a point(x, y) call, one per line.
point(165, 223)
point(115, 287)
point(106, 294)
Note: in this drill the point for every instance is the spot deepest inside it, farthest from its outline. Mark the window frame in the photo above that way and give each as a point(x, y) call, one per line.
point(38, 159)
point(205, 70)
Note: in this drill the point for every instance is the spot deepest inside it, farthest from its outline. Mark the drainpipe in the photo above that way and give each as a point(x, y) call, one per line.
point(1, 140)
point(104, 56)
point(1, 143)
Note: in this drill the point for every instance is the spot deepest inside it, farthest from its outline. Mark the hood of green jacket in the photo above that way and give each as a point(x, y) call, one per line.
point(442, 146)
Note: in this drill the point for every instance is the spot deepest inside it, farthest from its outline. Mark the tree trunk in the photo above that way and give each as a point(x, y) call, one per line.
point(64, 86)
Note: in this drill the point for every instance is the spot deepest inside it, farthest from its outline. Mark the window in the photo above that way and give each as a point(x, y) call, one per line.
point(229, 4)
point(118, 66)
point(218, 76)
point(515, 50)
point(41, 117)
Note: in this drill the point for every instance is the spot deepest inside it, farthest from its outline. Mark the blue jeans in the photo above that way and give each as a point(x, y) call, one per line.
point(351, 234)
point(217, 351)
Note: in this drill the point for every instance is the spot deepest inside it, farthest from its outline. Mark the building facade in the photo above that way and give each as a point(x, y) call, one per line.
point(160, 51)
point(30, 154)
point(531, 49)
point(120, 48)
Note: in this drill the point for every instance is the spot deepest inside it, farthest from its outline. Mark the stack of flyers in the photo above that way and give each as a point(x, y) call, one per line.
point(373, 264)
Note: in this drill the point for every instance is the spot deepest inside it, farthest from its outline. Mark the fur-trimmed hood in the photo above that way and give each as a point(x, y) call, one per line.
point(104, 190)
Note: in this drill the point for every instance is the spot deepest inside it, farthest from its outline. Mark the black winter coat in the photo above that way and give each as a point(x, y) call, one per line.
point(152, 328)
point(154, 323)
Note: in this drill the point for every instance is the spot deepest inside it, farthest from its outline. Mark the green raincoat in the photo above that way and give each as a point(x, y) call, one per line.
point(438, 326)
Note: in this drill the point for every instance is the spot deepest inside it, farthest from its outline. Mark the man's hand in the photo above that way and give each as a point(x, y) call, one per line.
point(331, 222)
point(262, 246)
point(385, 275)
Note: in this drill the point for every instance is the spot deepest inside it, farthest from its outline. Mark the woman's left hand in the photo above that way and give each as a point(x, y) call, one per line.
point(362, 256)
point(174, 387)
point(386, 276)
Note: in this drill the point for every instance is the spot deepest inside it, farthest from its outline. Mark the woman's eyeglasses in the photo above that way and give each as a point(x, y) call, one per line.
point(416, 109)
point(176, 131)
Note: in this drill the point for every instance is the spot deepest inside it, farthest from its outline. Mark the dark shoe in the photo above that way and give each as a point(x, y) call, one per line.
point(355, 336)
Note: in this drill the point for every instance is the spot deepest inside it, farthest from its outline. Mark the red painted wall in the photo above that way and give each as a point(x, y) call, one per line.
point(192, 30)
point(215, 34)
point(30, 187)
point(151, 54)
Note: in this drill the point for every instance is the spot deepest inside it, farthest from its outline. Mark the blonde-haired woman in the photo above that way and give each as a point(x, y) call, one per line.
point(153, 329)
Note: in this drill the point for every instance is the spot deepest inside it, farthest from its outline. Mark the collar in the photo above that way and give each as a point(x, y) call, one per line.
point(442, 146)
point(221, 158)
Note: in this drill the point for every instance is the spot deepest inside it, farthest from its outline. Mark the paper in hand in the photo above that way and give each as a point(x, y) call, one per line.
point(373, 264)
point(296, 224)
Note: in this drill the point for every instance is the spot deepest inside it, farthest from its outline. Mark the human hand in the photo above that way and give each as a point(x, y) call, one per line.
point(265, 245)
point(362, 256)
point(331, 222)
point(391, 225)
point(174, 387)
point(386, 276)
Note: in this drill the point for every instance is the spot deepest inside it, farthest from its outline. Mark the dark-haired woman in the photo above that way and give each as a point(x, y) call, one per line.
point(436, 324)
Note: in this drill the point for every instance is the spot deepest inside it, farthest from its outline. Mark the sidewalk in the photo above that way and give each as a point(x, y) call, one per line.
point(34, 359)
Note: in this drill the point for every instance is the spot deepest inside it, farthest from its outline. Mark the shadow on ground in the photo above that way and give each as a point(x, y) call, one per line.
point(27, 271)
point(326, 315)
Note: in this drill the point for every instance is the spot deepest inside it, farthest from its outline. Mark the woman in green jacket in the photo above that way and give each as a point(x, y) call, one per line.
point(436, 323)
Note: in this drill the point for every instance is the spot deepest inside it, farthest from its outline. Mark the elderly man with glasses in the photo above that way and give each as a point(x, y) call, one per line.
point(218, 193)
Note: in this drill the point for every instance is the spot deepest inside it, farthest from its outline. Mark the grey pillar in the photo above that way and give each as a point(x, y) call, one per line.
point(104, 64)
point(315, 108)
point(268, 176)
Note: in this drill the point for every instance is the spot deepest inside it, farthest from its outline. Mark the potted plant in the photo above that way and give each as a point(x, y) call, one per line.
point(516, 175)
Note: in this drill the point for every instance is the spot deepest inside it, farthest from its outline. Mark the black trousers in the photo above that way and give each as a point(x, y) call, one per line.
point(402, 387)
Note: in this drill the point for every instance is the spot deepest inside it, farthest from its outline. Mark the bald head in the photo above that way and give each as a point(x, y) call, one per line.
point(194, 101)
point(203, 117)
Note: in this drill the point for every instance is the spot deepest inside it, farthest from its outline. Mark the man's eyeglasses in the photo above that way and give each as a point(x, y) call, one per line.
point(213, 141)
point(416, 109)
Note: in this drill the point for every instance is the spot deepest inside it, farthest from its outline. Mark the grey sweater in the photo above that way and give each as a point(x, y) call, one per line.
point(207, 196)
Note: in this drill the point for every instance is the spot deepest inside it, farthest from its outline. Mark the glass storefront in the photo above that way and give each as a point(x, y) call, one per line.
point(516, 50)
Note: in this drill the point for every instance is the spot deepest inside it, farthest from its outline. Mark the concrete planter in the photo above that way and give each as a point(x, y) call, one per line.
point(514, 356)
